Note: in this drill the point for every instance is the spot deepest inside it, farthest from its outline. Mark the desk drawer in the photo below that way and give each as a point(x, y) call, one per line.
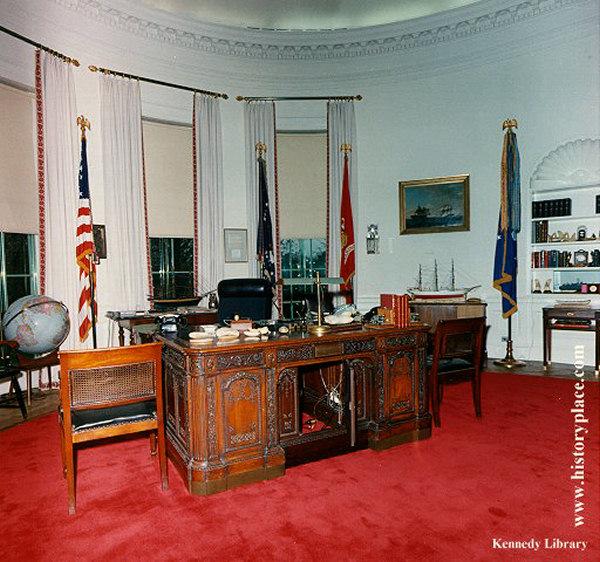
point(329, 349)
point(222, 362)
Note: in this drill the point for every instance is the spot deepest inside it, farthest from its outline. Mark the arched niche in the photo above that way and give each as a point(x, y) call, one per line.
point(571, 165)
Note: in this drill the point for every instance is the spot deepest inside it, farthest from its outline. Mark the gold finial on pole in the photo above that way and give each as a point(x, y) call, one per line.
point(510, 124)
point(346, 148)
point(261, 148)
point(84, 124)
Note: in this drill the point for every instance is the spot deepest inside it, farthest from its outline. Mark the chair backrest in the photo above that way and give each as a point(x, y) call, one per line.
point(110, 377)
point(8, 356)
point(248, 298)
point(460, 338)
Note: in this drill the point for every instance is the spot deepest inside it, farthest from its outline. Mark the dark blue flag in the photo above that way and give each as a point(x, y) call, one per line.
point(264, 237)
point(509, 224)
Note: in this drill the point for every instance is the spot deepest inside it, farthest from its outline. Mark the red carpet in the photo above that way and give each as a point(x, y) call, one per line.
point(503, 477)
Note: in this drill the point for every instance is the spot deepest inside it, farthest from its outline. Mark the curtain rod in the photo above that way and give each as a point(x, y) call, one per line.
point(16, 35)
point(299, 98)
point(159, 82)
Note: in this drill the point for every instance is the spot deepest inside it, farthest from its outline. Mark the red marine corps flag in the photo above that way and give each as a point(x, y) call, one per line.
point(347, 262)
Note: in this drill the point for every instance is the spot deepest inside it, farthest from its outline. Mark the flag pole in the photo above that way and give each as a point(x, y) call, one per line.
point(84, 124)
point(93, 298)
point(509, 361)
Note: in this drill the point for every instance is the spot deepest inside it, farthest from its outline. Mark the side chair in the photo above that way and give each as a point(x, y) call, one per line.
point(110, 392)
point(10, 370)
point(457, 353)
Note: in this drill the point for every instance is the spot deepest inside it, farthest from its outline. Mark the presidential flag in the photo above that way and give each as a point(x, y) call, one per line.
point(347, 264)
point(509, 224)
point(85, 248)
point(264, 237)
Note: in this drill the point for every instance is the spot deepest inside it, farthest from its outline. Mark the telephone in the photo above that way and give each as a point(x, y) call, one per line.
point(170, 322)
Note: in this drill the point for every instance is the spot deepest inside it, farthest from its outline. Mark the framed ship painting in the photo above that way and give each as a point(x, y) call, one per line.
point(434, 205)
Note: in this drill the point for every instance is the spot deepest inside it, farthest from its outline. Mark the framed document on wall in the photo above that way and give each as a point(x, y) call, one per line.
point(236, 245)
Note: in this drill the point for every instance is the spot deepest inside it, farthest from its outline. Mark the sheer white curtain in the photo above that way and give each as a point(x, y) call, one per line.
point(259, 120)
point(341, 129)
point(127, 269)
point(61, 170)
point(208, 196)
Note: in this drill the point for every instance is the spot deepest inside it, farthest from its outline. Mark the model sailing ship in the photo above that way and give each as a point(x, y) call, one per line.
point(451, 293)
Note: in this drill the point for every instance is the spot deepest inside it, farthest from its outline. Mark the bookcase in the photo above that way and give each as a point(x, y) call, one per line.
point(565, 240)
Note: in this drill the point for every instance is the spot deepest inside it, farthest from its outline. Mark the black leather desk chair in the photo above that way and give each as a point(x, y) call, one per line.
point(248, 298)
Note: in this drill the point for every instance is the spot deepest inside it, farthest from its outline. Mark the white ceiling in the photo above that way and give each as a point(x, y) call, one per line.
point(303, 14)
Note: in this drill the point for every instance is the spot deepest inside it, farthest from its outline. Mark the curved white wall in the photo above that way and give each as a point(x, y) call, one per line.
point(435, 93)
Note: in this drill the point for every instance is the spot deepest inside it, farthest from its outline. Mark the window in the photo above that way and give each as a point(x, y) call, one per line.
point(302, 175)
point(300, 257)
point(18, 267)
point(172, 262)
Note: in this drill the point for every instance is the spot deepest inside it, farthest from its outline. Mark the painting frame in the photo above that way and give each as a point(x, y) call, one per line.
point(440, 190)
point(236, 245)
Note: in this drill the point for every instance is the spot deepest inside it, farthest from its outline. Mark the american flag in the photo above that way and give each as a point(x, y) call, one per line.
point(85, 248)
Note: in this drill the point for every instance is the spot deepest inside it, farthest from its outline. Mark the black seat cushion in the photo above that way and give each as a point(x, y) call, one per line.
point(102, 417)
point(447, 365)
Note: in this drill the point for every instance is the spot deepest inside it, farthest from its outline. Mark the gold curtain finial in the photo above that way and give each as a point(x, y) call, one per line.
point(510, 124)
point(261, 148)
point(84, 124)
point(346, 148)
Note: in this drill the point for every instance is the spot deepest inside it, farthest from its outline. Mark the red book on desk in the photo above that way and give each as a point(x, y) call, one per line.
point(399, 305)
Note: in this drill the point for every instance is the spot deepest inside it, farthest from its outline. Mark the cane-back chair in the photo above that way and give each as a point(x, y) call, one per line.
point(110, 392)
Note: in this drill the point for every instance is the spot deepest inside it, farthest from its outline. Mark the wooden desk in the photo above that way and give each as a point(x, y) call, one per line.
point(207, 316)
point(234, 411)
point(564, 318)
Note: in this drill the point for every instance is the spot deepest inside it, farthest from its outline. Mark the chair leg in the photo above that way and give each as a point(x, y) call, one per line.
point(29, 390)
point(476, 385)
point(63, 454)
point(70, 469)
point(435, 398)
point(162, 457)
point(153, 443)
point(19, 396)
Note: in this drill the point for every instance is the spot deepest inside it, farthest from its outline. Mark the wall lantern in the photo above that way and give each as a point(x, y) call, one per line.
point(372, 239)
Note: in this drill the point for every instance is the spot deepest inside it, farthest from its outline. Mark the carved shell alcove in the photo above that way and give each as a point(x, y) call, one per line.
point(573, 164)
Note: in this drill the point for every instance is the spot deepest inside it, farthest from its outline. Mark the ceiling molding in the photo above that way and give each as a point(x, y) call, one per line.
point(314, 46)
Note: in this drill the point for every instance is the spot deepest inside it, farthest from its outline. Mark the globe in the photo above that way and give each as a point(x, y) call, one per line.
point(38, 323)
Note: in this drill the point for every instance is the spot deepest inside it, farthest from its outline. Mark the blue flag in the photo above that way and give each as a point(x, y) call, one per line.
point(509, 224)
point(264, 238)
